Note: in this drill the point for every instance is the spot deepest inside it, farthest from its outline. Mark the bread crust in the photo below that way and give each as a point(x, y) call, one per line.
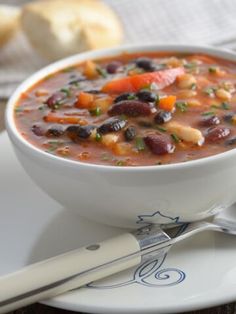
point(58, 28)
point(9, 23)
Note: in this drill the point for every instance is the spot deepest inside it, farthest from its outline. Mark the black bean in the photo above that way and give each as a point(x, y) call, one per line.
point(145, 64)
point(159, 144)
point(132, 108)
point(209, 121)
point(147, 96)
point(76, 132)
point(228, 117)
point(112, 125)
point(162, 117)
point(130, 133)
point(55, 100)
point(216, 134)
point(113, 67)
point(124, 96)
point(231, 141)
point(55, 131)
point(37, 130)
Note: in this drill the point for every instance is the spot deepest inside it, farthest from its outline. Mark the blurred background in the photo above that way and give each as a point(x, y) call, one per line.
point(211, 22)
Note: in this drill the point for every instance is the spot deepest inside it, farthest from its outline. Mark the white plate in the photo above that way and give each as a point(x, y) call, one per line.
point(198, 273)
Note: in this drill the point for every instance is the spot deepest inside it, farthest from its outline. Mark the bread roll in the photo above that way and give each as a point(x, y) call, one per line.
point(9, 17)
point(63, 27)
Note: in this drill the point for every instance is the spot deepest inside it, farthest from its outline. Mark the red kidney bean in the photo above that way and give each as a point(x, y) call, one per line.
point(55, 100)
point(37, 130)
point(113, 67)
point(209, 121)
point(216, 134)
point(112, 125)
point(132, 108)
point(159, 144)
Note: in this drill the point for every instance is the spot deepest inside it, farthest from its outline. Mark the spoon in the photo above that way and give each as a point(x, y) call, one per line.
point(79, 267)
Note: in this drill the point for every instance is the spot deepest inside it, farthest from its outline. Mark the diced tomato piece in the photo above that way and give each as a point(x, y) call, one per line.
point(167, 103)
point(85, 100)
point(136, 82)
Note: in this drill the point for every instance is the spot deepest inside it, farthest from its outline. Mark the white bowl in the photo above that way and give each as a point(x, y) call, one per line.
point(129, 196)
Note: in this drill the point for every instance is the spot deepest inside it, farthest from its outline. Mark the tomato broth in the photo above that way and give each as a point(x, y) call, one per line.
point(133, 109)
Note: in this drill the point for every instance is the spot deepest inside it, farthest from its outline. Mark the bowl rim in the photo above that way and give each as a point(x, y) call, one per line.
point(22, 143)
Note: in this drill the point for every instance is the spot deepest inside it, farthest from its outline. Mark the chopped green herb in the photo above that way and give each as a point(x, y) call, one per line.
point(182, 106)
point(193, 86)
point(131, 97)
point(150, 87)
point(120, 163)
point(69, 69)
point(130, 67)
point(66, 91)
point(19, 109)
point(53, 142)
point(75, 83)
point(123, 117)
point(105, 156)
point(225, 106)
point(146, 87)
point(212, 69)
point(190, 65)
point(101, 71)
point(57, 105)
point(42, 107)
point(157, 100)
point(175, 137)
point(53, 145)
point(210, 91)
point(160, 128)
point(215, 106)
point(139, 144)
point(98, 137)
point(96, 111)
point(153, 86)
point(208, 113)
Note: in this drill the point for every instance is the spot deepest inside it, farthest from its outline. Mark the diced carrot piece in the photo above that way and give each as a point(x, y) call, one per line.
point(52, 118)
point(85, 100)
point(136, 82)
point(167, 103)
point(90, 70)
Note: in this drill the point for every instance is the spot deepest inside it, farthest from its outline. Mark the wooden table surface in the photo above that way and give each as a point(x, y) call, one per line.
point(42, 309)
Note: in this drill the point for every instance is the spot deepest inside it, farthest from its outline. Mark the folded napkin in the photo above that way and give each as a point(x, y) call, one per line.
point(145, 21)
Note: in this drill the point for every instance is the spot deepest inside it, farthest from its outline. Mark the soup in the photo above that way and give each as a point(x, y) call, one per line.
point(133, 110)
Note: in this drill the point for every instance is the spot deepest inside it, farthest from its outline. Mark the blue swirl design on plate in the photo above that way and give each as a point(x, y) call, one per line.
point(150, 273)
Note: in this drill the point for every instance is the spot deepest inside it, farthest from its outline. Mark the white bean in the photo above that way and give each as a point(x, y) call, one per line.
point(186, 133)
